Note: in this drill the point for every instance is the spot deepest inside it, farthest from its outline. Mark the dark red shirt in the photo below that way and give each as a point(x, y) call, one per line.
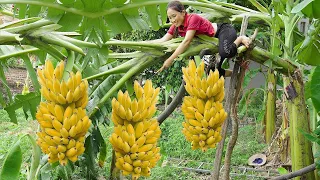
point(194, 22)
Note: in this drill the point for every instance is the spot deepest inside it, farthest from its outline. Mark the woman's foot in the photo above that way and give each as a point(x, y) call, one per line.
point(245, 41)
point(242, 40)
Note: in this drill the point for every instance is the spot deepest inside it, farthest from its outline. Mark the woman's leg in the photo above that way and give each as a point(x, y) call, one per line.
point(227, 48)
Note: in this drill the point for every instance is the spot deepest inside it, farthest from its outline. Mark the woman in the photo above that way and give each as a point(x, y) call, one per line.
point(190, 25)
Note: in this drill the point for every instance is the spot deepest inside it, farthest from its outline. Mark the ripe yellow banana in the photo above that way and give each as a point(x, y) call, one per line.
point(134, 149)
point(141, 104)
point(73, 119)
point(130, 129)
point(79, 126)
point(121, 112)
point(137, 170)
point(198, 116)
point(69, 96)
point(139, 129)
point(147, 89)
point(49, 70)
point(62, 148)
point(63, 88)
point(77, 94)
point(52, 132)
point(145, 148)
point(126, 148)
point(73, 131)
point(73, 158)
point(64, 133)
point(56, 85)
point(78, 78)
point(140, 142)
point(70, 82)
point(127, 158)
point(116, 119)
point(134, 106)
point(129, 115)
point(127, 167)
point(57, 125)
point(200, 105)
point(71, 152)
point(138, 90)
point(59, 112)
point(41, 77)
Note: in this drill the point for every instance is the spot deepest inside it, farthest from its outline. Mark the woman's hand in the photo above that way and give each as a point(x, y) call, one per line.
point(165, 65)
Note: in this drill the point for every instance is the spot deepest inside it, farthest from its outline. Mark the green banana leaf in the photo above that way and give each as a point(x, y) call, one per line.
point(314, 89)
point(12, 163)
point(308, 7)
point(98, 93)
point(309, 48)
point(8, 51)
point(28, 102)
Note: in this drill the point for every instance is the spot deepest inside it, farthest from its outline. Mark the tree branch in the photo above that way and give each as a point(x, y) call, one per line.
point(174, 103)
point(300, 172)
point(236, 87)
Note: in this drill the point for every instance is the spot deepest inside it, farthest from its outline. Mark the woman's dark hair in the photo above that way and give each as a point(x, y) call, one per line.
point(175, 5)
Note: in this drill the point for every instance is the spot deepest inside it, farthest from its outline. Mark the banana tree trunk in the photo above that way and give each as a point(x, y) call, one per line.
point(285, 141)
point(301, 151)
point(271, 106)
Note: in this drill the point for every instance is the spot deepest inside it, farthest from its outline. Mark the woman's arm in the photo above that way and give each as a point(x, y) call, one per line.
point(181, 48)
point(165, 38)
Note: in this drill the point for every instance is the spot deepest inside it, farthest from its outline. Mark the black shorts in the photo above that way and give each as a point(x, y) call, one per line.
point(227, 48)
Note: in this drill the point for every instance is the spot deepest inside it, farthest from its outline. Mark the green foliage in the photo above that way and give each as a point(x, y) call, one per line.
point(12, 163)
point(309, 48)
point(282, 170)
point(252, 104)
point(28, 102)
point(101, 88)
point(308, 8)
point(314, 89)
point(169, 80)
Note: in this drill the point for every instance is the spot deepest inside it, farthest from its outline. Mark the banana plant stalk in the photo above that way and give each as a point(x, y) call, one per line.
point(271, 106)
point(270, 117)
point(301, 148)
point(124, 67)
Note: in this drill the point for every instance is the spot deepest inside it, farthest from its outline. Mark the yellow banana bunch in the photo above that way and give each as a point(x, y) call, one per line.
point(62, 118)
point(200, 86)
point(125, 110)
point(203, 109)
point(135, 133)
point(57, 90)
